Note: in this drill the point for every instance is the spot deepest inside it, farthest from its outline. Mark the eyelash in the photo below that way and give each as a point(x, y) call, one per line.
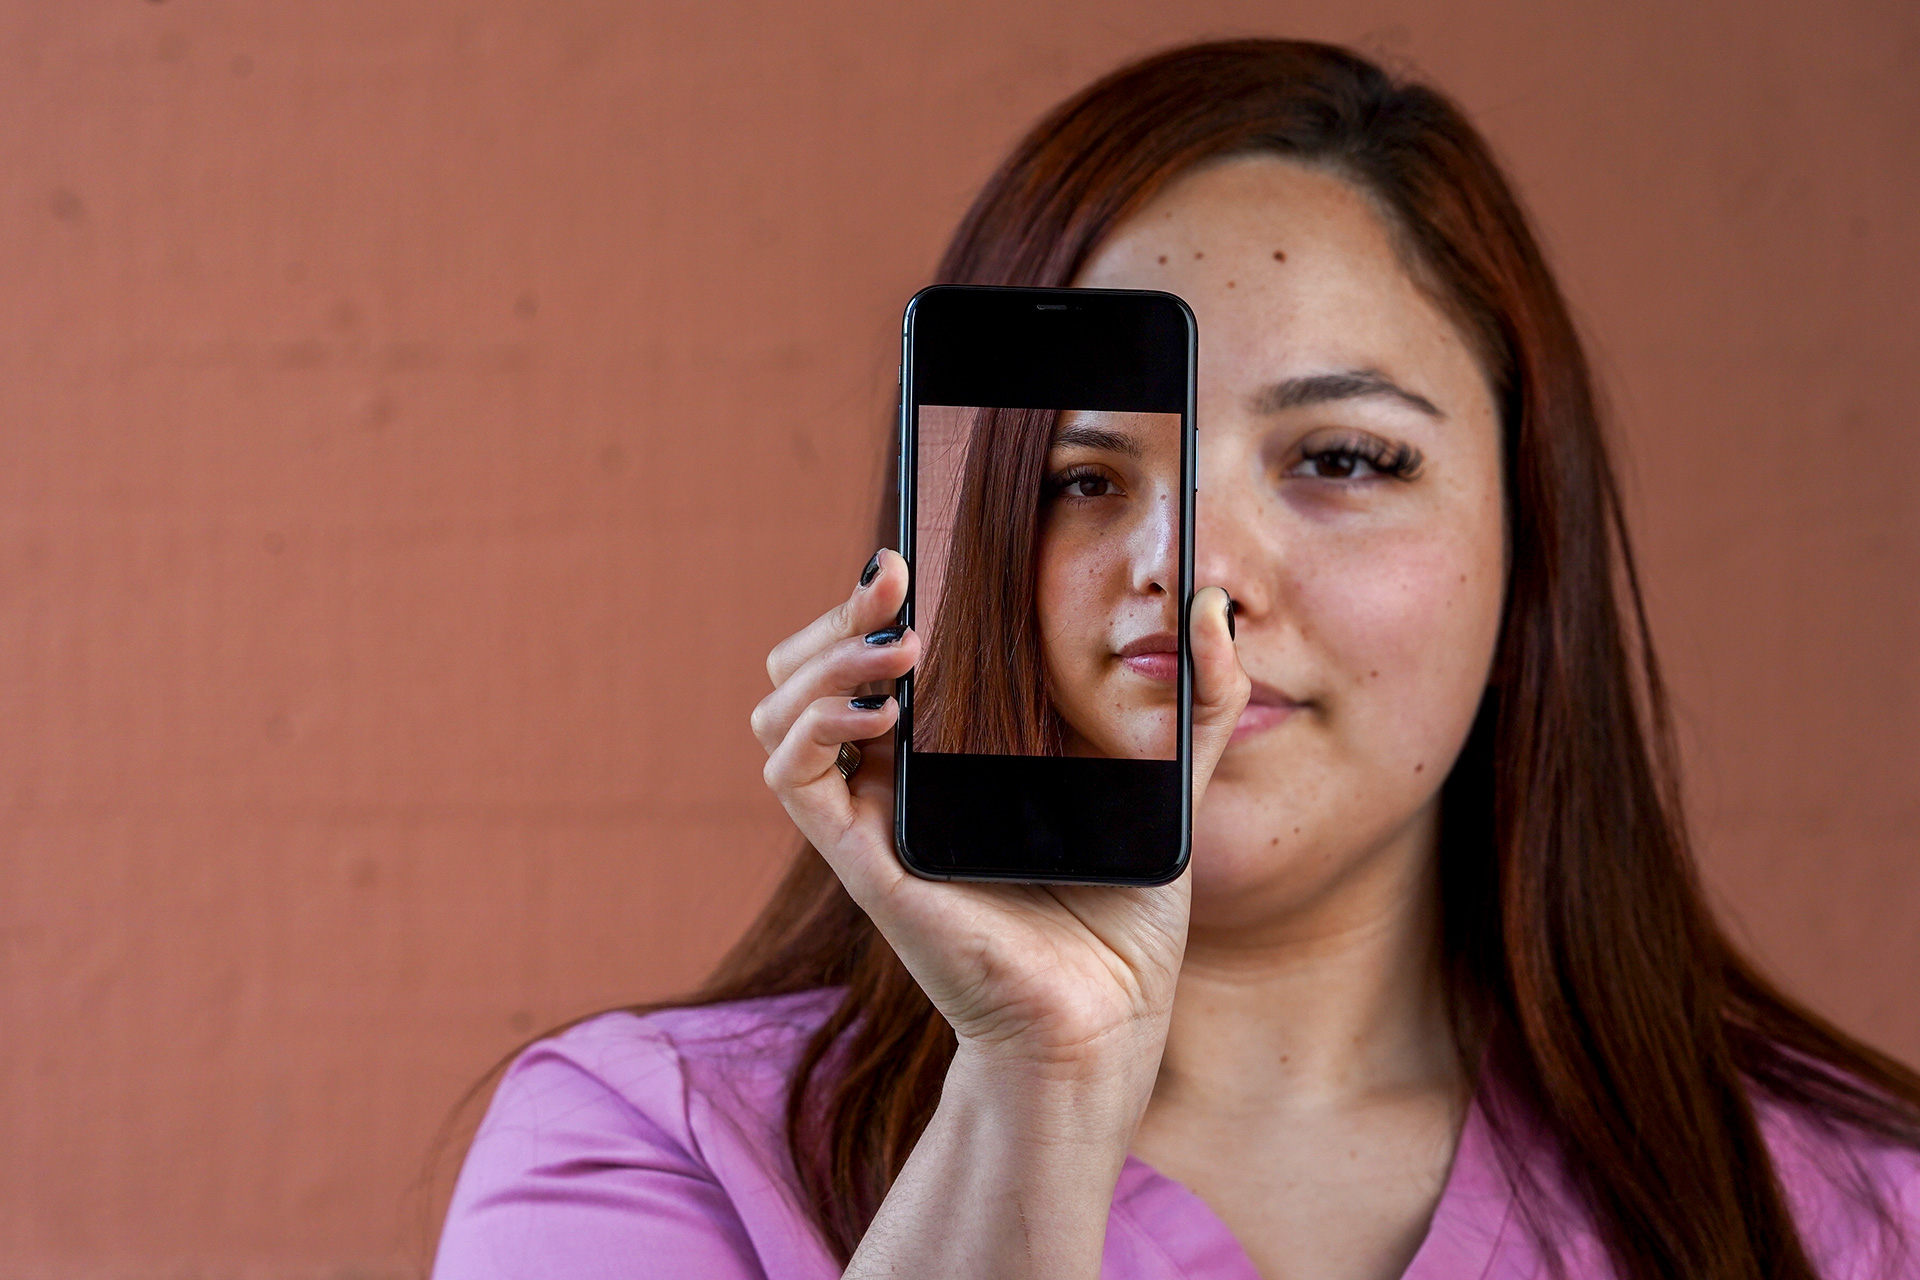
point(1057, 486)
point(1399, 461)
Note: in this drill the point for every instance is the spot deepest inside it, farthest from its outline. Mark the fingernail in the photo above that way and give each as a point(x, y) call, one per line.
point(868, 702)
point(886, 635)
point(872, 571)
point(1232, 609)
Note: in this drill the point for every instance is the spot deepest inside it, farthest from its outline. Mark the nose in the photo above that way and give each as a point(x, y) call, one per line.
point(1154, 553)
point(1226, 546)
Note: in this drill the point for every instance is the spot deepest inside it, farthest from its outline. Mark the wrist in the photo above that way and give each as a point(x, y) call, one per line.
point(1090, 1100)
point(1012, 1179)
point(1014, 1174)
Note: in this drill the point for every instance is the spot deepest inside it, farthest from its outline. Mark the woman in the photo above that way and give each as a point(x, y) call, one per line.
point(1439, 997)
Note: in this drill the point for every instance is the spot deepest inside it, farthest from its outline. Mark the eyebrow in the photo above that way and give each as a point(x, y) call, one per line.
point(1351, 384)
point(1080, 436)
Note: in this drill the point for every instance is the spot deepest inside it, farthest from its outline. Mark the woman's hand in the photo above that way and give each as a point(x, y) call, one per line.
point(1053, 979)
point(1059, 995)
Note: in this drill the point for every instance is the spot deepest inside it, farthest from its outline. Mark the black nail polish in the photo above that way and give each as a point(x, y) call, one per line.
point(872, 571)
point(868, 702)
point(886, 635)
point(1232, 609)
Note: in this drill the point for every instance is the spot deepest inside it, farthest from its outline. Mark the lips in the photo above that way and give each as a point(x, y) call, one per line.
point(1267, 708)
point(1157, 657)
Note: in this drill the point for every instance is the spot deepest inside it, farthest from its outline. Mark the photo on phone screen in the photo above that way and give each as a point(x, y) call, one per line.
point(1076, 511)
point(1046, 501)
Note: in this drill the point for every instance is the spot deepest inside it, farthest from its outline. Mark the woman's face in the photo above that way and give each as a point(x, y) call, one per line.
point(1350, 502)
point(1109, 578)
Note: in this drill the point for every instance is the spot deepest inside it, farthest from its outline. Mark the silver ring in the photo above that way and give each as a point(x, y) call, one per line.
point(848, 761)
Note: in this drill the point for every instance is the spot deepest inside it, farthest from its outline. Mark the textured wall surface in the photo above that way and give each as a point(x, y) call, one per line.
point(418, 417)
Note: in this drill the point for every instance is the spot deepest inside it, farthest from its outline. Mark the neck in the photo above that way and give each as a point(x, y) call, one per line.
point(1336, 1004)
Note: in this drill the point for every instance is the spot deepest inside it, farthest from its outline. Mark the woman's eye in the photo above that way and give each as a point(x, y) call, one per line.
point(1085, 484)
point(1334, 464)
point(1348, 462)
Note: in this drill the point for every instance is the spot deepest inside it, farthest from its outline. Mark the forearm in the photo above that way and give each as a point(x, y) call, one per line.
point(1013, 1177)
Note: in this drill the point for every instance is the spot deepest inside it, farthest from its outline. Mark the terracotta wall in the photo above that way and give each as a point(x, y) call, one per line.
point(418, 417)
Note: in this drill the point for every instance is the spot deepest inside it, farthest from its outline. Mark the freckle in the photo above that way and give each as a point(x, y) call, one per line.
point(1197, 254)
point(1296, 831)
point(1279, 256)
point(1163, 259)
point(1229, 284)
point(1285, 1058)
point(1373, 675)
point(1420, 768)
point(1274, 841)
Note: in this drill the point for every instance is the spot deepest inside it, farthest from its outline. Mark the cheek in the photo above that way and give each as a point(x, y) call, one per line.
point(1406, 630)
point(1076, 585)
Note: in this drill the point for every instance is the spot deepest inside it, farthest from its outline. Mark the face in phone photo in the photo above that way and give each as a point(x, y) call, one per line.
point(1047, 582)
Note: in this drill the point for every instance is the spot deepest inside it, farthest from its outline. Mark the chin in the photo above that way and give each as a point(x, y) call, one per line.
point(1131, 735)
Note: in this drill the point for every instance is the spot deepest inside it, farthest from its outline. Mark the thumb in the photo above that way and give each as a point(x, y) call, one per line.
point(1220, 687)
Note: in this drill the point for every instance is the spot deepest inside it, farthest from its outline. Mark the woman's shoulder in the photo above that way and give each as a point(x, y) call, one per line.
point(659, 1133)
point(728, 1031)
point(739, 1052)
point(1854, 1195)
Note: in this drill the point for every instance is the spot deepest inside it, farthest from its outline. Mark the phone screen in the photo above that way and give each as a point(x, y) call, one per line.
point(1046, 516)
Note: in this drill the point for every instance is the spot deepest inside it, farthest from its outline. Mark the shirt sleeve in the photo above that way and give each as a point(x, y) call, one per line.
point(571, 1176)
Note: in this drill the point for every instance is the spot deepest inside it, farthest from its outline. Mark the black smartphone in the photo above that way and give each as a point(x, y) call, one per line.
point(1047, 474)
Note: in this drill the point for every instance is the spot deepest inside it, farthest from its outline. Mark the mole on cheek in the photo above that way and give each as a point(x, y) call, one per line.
point(1197, 254)
point(1279, 256)
point(1229, 284)
point(1163, 259)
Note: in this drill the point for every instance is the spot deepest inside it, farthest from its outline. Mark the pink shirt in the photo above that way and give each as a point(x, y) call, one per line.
point(651, 1147)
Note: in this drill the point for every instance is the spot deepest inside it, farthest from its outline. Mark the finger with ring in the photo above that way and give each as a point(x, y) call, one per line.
point(848, 761)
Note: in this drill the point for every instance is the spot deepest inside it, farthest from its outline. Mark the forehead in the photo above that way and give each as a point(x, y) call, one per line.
point(1287, 267)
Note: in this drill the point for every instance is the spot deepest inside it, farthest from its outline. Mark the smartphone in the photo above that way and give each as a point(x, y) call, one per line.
point(1046, 485)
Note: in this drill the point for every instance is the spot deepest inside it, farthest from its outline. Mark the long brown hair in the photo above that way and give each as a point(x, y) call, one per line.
point(1578, 948)
point(981, 684)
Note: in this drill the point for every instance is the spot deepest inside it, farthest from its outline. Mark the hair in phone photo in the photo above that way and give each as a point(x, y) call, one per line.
point(1585, 969)
point(981, 685)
